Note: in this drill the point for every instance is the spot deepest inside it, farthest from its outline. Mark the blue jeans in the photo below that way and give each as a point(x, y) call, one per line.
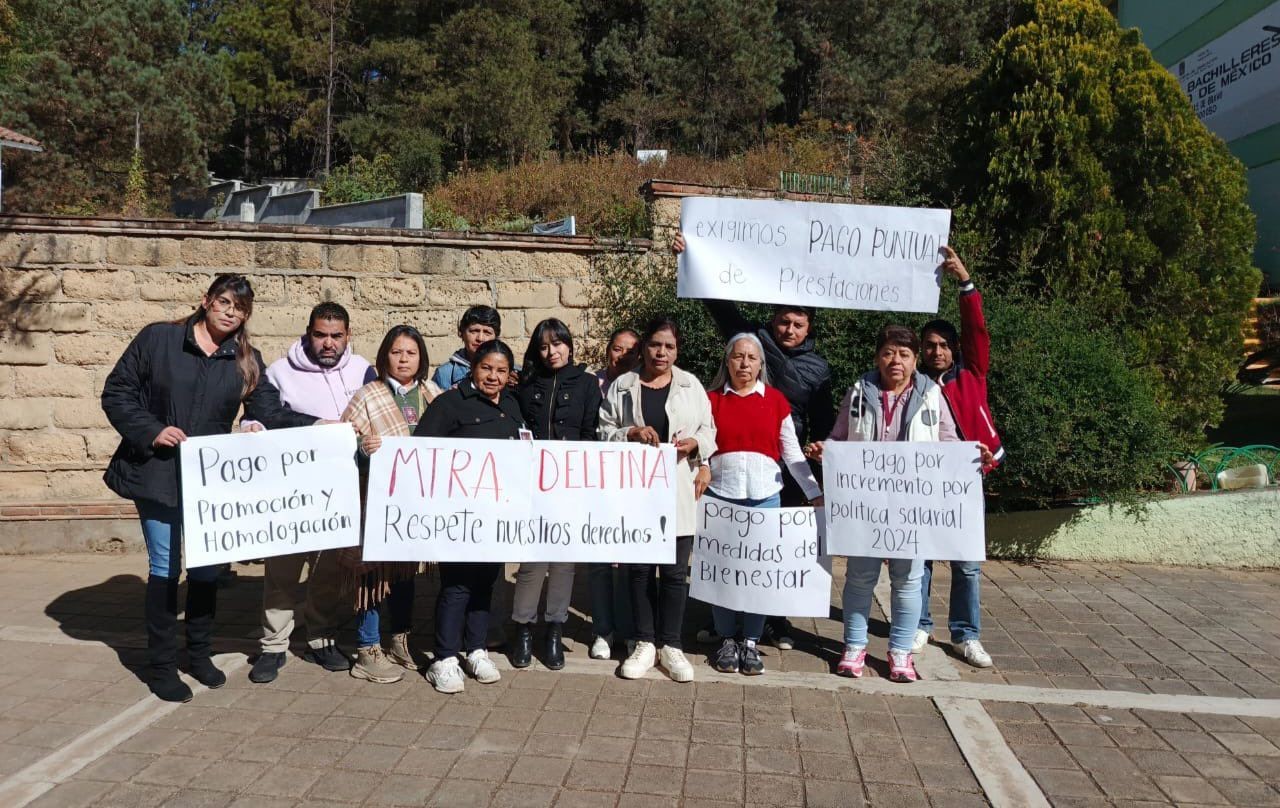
point(162, 532)
point(860, 579)
point(726, 620)
point(610, 602)
point(399, 605)
point(964, 614)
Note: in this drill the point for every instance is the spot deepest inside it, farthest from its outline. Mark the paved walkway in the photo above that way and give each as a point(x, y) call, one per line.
point(1114, 685)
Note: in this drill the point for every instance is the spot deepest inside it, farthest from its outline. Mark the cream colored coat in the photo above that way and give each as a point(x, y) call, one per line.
point(689, 414)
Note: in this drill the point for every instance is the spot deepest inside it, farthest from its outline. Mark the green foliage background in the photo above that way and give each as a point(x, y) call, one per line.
point(1083, 175)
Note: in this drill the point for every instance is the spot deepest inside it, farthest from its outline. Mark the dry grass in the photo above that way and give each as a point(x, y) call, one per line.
point(602, 190)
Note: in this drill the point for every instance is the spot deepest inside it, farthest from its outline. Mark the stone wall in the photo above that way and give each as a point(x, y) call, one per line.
point(73, 292)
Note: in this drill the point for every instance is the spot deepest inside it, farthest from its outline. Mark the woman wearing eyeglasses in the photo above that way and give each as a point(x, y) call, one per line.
point(178, 380)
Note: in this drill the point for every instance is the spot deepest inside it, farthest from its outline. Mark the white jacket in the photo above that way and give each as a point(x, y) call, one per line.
point(861, 416)
point(689, 414)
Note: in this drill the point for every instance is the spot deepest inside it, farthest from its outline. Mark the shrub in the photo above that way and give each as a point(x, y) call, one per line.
point(1086, 176)
point(360, 180)
point(1076, 418)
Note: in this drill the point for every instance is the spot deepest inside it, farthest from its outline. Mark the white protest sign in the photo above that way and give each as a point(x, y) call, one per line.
point(904, 500)
point(442, 499)
point(812, 253)
point(270, 493)
point(616, 501)
point(761, 560)
point(1234, 81)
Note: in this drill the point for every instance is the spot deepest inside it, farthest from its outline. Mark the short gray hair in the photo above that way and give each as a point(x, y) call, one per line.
point(722, 375)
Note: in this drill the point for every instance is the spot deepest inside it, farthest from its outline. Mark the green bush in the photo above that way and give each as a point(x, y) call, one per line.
point(360, 180)
point(1076, 418)
point(1085, 176)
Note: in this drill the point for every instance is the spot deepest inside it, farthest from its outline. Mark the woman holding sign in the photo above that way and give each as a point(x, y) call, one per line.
point(180, 379)
point(560, 401)
point(894, 402)
point(390, 406)
point(479, 406)
point(655, 404)
point(754, 433)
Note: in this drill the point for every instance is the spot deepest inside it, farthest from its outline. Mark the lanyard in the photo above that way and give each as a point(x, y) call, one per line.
point(889, 411)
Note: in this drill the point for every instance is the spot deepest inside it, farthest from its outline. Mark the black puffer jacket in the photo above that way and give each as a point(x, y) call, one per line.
point(801, 374)
point(164, 379)
point(564, 405)
point(464, 412)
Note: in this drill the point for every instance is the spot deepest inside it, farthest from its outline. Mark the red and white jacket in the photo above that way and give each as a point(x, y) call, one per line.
point(965, 384)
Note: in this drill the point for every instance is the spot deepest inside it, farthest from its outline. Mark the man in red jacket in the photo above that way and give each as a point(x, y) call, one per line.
point(959, 363)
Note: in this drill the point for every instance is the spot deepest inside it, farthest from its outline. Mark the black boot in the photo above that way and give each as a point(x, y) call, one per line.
point(555, 650)
point(162, 640)
point(522, 646)
point(202, 602)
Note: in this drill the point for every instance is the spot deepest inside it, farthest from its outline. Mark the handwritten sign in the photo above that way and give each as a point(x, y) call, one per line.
point(439, 499)
point(812, 253)
point(904, 500)
point(269, 493)
point(761, 560)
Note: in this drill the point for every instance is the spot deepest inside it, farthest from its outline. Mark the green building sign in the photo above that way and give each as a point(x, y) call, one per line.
point(1226, 56)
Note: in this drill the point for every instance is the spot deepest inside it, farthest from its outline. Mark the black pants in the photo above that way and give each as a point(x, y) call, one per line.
point(661, 601)
point(462, 607)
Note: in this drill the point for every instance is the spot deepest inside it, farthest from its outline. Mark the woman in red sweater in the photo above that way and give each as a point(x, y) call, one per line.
point(754, 437)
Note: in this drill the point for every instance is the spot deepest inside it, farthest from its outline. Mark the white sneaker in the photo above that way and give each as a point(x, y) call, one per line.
point(922, 639)
point(640, 661)
point(482, 668)
point(600, 647)
point(676, 665)
point(445, 676)
point(971, 651)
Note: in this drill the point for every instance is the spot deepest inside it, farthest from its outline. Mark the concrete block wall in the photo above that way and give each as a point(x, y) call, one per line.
point(73, 292)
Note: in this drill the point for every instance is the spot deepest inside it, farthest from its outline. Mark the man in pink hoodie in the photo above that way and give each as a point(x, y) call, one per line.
point(317, 376)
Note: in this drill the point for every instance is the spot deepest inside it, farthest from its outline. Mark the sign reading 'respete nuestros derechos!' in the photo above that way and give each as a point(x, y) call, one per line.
point(446, 499)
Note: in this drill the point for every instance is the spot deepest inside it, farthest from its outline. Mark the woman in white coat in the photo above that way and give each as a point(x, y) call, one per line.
point(660, 403)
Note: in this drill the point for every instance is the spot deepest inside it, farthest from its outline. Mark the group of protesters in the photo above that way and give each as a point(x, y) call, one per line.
point(753, 437)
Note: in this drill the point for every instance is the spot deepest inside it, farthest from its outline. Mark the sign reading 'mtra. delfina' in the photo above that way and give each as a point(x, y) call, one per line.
point(449, 499)
point(812, 253)
point(1234, 81)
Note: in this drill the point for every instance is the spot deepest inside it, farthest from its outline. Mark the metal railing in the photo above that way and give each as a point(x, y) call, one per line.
point(797, 183)
point(1211, 462)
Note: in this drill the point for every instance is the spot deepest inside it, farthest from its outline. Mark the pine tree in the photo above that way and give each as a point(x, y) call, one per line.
point(77, 73)
point(1088, 177)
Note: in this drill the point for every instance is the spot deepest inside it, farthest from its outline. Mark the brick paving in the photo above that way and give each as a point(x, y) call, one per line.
point(1095, 756)
point(71, 637)
point(1129, 627)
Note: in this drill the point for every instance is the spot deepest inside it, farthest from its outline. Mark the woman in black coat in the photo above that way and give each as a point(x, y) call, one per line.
point(174, 381)
point(479, 406)
point(560, 401)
